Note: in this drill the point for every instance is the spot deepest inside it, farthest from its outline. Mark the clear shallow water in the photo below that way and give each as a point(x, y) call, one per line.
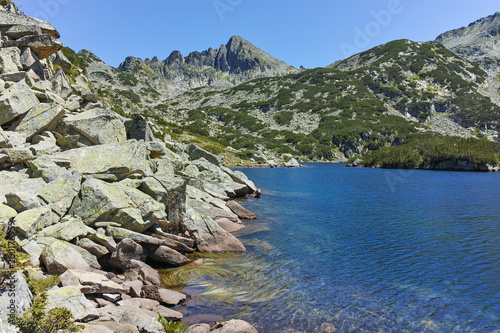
point(361, 250)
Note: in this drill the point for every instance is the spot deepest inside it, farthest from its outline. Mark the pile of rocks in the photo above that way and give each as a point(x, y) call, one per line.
point(91, 196)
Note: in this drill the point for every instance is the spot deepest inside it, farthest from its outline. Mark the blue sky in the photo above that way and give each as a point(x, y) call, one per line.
point(311, 33)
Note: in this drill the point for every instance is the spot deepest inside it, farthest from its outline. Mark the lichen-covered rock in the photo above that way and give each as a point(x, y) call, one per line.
point(127, 250)
point(16, 101)
point(101, 201)
point(67, 230)
point(163, 295)
point(241, 211)
point(120, 234)
point(16, 18)
point(100, 126)
point(41, 117)
point(92, 247)
point(90, 283)
point(120, 159)
point(73, 299)
point(10, 59)
point(31, 221)
point(235, 325)
point(59, 256)
point(196, 152)
point(166, 255)
point(18, 303)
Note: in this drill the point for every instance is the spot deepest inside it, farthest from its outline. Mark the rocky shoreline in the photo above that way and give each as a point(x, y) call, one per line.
point(91, 196)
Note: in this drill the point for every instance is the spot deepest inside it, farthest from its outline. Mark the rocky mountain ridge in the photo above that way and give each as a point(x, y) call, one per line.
point(87, 196)
point(479, 42)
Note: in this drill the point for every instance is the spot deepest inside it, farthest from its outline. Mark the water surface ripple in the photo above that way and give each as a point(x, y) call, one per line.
point(362, 250)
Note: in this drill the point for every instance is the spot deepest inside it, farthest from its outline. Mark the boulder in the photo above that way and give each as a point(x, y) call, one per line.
point(60, 84)
point(178, 243)
point(34, 250)
point(216, 214)
point(15, 182)
point(143, 303)
point(209, 236)
point(60, 256)
point(138, 128)
point(163, 295)
point(166, 255)
point(92, 247)
point(144, 320)
point(16, 101)
point(134, 287)
point(10, 139)
point(60, 59)
point(90, 328)
point(28, 58)
point(90, 283)
point(235, 325)
point(18, 31)
point(6, 213)
point(20, 303)
point(31, 221)
point(100, 126)
point(41, 117)
point(67, 230)
point(170, 191)
point(10, 59)
point(120, 234)
point(196, 152)
point(18, 155)
point(106, 241)
point(8, 19)
point(126, 250)
point(144, 272)
point(42, 45)
point(199, 328)
point(121, 159)
point(22, 201)
point(73, 299)
point(101, 201)
point(229, 225)
point(239, 210)
point(17, 77)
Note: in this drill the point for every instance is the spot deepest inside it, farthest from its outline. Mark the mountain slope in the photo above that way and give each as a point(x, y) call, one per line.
point(479, 42)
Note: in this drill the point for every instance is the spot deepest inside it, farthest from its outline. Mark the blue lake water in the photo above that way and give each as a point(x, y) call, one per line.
point(361, 250)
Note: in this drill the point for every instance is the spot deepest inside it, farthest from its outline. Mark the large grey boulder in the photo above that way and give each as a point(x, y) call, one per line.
point(171, 191)
point(196, 152)
point(15, 285)
point(10, 60)
point(59, 256)
point(90, 282)
point(15, 182)
point(67, 230)
point(209, 236)
point(9, 139)
point(73, 299)
point(241, 211)
point(144, 320)
point(16, 101)
point(18, 31)
point(31, 221)
point(121, 234)
point(41, 117)
point(126, 251)
point(99, 126)
point(118, 159)
point(138, 128)
point(131, 208)
point(60, 84)
point(8, 19)
point(92, 247)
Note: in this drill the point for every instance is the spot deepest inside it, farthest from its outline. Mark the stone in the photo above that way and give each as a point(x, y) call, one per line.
point(41, 117)
point(8, 19)
point(113, 298)
point(19, 155)
point(236, 190)
point(18, 31)
point(17, 77)
point(10, 59)
point(16, 101)
point(121, 159)
point(31, 221)
point(156, 148)
point(42, 45)
point(126, 250)
point(178, 243)
point(101, 201)
point(292, 163)
point(144, 320)
point(239, 210)
point(169, 314)
point(229, 225)
point(199, 328)
point(59, 256)
point(90, 282)
point(143, 303)
point(163, 295)
point(138, 128)
point(135, 288)
point(73, 299)
point(66, 231)
point(92, 247)
point(60, 84)
point(106, 241)
point(164, 167)
point(216, 214)
point(90, 328)
point(166, 255)
point(60, 59)
point(34, 250)
point(28, 58)
point(196, 152)
point(209, 236)
point(22, 300)
point(100, 126)
point(145, 272)
point(235, 325)
point(120, 234)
